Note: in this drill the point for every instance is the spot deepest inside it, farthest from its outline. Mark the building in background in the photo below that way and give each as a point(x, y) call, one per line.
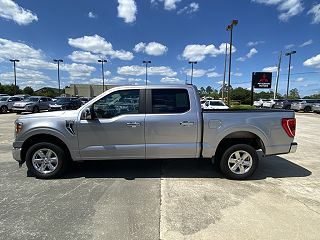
point(86, 90)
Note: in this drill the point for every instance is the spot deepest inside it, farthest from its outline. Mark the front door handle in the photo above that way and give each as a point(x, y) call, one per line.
point(133, 124)
point(186, 123)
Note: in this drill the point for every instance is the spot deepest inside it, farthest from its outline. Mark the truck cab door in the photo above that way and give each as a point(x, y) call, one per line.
point(172, 124)
point(115, 128)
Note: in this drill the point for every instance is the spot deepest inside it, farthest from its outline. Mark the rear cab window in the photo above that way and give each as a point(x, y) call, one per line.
point(170, 101)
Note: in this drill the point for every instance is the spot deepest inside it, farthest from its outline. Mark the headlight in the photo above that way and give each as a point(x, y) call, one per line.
point(18, 127)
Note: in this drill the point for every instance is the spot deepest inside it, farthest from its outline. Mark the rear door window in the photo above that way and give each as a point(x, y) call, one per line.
point(170, 101)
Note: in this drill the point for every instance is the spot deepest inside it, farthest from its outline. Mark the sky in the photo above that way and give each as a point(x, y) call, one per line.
point(169, 33)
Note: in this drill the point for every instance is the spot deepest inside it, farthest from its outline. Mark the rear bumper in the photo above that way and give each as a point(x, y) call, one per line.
point(293, 147)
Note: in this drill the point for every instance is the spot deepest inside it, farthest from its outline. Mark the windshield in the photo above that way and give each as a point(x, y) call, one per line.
point(31, 99)
point(63, 100)
point(217, 103)
point(3, 98)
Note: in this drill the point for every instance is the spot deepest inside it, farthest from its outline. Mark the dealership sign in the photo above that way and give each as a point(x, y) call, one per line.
point(261, 79)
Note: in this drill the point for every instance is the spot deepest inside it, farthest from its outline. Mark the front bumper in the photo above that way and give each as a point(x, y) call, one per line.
point(297, 107)
point(22, 109)
point(293, 147)
point(16, 154)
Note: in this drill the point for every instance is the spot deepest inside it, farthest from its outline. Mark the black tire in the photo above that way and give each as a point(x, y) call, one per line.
point(224, 162)
point(35, 109)
point(18, 112)
point(288, 107)
point(307, 109)
point(4, 109)
point(60, 167)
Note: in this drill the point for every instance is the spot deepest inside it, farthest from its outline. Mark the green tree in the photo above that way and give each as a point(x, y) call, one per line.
point(28, 90)
point(209, 89)
point(294, 94)
point(241, 94)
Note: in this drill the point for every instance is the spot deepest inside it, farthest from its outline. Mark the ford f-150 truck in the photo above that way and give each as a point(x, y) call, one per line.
point(152, 122)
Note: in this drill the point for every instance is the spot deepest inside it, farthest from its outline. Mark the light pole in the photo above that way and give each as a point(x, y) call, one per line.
point(146, 63)
point(15, 74)
point(230, 28)
point(224, 73)
point(58, 61)
point(289, 54)
point(192, 62)
point(102, 69)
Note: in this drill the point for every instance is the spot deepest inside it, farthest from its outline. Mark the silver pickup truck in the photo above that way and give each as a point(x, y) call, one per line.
point(151, 122)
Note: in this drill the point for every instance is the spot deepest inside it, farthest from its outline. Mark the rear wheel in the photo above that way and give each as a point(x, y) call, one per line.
point(35, 109)
point(4, 109)
point(307, 109)
point(46, 160)
point(239, 161)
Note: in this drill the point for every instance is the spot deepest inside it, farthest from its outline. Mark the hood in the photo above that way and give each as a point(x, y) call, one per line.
point(58, 114)
point(22, 104)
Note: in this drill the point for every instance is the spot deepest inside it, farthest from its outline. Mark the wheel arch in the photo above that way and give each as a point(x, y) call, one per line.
point(38, 138)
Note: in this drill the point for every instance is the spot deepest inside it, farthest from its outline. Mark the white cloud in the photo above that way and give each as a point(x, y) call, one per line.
point(127, 9)
point(84, 57)
point(170, 80)
point(288, 46)
point(251, 44)
point(196, 72)
point(300, 79)
point(214, 74)
point(198, 52)
point(98, 45)
point(170, 4)
point(315, 11)
point(313, 62)
point(12, 11)
point(191, 8)
point(270, 69)
point(116, 80)
point(92, 15)
point(252, 52)
point(77, 71)
point(237, 74)
point(287, 8)
point(10, 49)
point(152, 48)
point(241, 59)
point(25, 74)
point(37, 64)
point(309, 42)
point(139, 71)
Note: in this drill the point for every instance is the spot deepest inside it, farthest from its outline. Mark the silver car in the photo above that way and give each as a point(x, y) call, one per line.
point(316, 108)
point(6, 103)
point(305, 105)
point(32, 104)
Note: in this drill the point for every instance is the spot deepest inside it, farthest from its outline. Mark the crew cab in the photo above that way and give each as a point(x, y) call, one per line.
point(152, 122)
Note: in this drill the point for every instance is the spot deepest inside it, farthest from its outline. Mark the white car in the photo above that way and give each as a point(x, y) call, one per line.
point(270, 103)
point(260, 102)
point(214, 104)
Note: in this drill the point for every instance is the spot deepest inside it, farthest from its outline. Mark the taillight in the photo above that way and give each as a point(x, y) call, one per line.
point(289, 125)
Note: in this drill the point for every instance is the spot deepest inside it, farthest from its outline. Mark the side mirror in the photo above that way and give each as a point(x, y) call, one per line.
point(207, 104)
point(86, 114)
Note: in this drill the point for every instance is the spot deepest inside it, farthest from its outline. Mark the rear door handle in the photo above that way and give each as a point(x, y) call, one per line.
point(133, 124)
point(186, 123)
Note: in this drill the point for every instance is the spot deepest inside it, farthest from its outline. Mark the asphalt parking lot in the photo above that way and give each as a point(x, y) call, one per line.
point(169, 199)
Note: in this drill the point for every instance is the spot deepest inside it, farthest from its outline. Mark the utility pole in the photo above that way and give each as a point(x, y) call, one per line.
point(58, 61)
point(102, 71)
point(224, 72)
point(192, 62)
point(278, 75)
point(15, 73)
point(146, 62)
point(289, 70)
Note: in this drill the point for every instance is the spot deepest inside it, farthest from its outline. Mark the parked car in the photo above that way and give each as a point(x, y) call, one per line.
point(270, 103)
point(84, 100)
point(6, 103)
point(259, 102)
point(286, 103)
point(151, 122)
point(32, 104)
point(304, 105)
point(22, 96)
point(65, 103)
point(215, 104)
point(316, 108)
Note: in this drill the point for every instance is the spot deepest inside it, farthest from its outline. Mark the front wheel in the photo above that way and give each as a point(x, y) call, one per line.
point(4, 109)
point(35, 109)
point(46, 160)
point(239, 161)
